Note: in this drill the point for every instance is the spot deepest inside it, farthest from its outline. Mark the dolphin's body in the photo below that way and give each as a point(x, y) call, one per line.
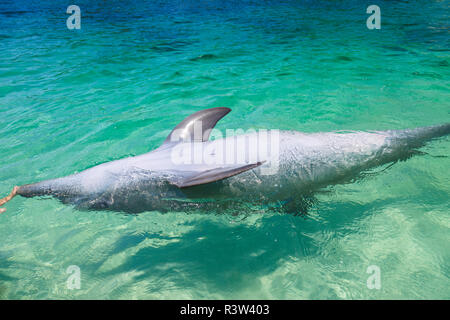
point(303, 163)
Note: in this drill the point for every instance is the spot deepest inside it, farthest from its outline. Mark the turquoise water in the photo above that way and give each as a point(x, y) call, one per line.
point(71, 99)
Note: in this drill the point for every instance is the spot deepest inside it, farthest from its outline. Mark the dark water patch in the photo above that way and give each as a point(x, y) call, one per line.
point(343, 58)
point(438, 49)
point(284, 74)
point(437, 63)
point(410, 24)
point(395, 48)
point(182, 22)
point(176, 74)
point(427, 75)
point(338, 59)
point(393, 54)
point(280, 41)
point(207, 56)
point(14, 13)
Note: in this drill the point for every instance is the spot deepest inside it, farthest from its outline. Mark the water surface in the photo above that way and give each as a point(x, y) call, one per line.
point(71, 99)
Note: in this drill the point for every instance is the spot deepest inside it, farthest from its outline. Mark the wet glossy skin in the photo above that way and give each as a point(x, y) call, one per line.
point(305, 163)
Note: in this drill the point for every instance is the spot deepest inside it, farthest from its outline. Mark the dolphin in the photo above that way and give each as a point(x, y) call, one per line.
point(188, 171)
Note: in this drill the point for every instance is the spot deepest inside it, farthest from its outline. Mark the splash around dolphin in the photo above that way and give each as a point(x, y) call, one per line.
point(190, 171)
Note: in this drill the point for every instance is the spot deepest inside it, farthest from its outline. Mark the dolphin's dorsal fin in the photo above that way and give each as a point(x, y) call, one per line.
point(215, 175)
point(197, 127)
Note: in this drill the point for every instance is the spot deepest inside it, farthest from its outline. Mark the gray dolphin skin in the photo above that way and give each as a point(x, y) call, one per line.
point(297, 165)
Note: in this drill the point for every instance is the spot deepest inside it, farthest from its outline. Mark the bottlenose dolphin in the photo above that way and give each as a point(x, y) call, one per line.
point(188, 170)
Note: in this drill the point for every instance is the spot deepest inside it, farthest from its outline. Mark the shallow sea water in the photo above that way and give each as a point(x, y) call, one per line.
point(71, 99)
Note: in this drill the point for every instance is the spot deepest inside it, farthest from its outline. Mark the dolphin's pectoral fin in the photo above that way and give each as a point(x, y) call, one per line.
point(214, 175)
point(197, 127)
